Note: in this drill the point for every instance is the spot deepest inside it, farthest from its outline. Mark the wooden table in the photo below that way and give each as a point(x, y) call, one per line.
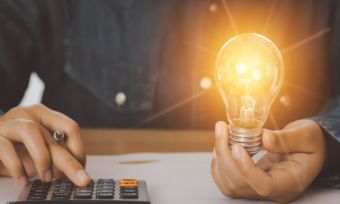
point(121, 141)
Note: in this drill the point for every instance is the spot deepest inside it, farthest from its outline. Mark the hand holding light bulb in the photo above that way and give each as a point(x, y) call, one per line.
point(298, 155)
point(249, 75)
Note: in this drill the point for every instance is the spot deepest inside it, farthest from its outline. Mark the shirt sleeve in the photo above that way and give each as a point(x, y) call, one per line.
point(329, 122)
point(19, 49)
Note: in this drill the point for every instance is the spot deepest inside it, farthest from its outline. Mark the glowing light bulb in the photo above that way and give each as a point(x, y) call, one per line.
point(249, 75)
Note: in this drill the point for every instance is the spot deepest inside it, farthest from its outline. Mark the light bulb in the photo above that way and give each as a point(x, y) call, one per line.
point(249, 75)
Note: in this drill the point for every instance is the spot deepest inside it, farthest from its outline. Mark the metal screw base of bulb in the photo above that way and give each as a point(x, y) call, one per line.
point(250, 139)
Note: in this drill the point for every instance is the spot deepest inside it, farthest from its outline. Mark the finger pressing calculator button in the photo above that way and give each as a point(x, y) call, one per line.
point(90, 189)
point(40, 183)
point(107, 195)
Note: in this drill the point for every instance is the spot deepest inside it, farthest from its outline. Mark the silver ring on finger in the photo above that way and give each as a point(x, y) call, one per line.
point(59, 137)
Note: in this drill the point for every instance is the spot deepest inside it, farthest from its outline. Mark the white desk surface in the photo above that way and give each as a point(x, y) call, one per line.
point(176, 178)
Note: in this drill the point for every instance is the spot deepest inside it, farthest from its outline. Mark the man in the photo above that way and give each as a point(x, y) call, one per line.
point(127, 63)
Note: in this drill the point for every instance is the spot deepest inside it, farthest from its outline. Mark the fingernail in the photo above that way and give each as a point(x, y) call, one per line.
point(236, 151)
point(82, 176)
point(218, 129)
point(48, 176)
point(23, 181)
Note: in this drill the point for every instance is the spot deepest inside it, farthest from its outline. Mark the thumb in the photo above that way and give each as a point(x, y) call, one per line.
point(286, 141)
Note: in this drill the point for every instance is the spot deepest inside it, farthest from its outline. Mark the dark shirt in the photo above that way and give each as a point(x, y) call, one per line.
point(156, 52)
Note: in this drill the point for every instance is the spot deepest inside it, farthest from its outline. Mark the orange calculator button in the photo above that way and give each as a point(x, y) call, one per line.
point(129, 185)
point(128, 182)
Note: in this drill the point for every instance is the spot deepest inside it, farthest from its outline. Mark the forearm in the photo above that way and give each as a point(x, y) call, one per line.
point(330, 124)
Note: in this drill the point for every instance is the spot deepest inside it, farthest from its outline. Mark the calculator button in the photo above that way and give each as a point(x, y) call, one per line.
point(63, 181)
point(40, 183)
point(105, 181)
point(127, 190)
point(129, 195)
point(84, 188)
point(39, 188)
point(37, 194)
point(105, 187)
point(61, 197)
point(105, 184)
point(64, 185)
point(128, 187)
point(61, 193)
point(102, 195)
point(36, 198)
point(39, 191)
point(83, 195)
point(84, 191)
point(128, 181)
point(62, 189)
point(105, 191)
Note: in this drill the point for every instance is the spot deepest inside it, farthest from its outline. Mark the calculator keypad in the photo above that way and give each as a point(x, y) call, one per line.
point(101, 189)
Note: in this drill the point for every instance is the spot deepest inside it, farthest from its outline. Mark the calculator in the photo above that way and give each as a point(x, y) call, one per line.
point(106, 191)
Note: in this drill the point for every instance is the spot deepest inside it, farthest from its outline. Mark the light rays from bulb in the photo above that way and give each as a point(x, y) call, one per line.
point(173, 107)
point(230, 17)
point(235, 30)
point(305, 41)
point(301, 89)
point(201, 48)
point(269, 15)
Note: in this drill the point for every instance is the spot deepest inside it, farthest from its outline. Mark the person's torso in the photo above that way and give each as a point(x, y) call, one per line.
point(128, 63)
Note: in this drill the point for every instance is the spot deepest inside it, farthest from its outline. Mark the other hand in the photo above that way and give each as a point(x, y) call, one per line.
point(27, 147)
point(298, 154)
